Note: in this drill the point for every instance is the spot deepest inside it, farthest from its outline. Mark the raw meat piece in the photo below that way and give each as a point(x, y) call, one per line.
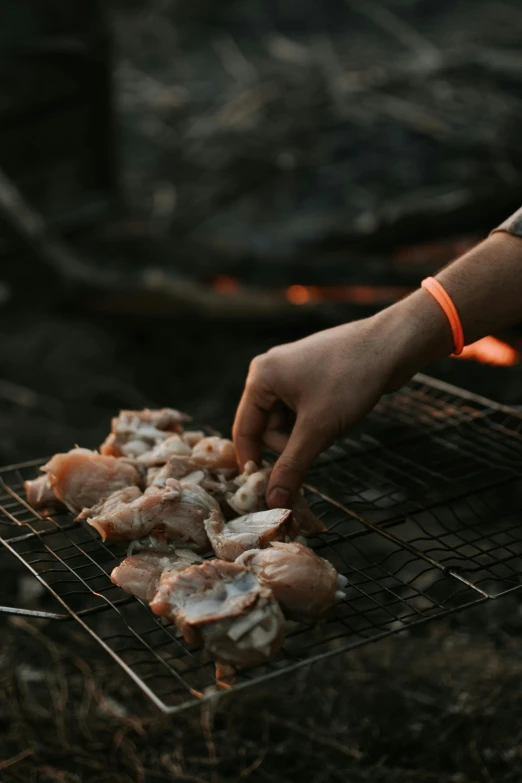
point(184, 468)
point(216, 454)
point(173, 446)
point(82, 478)
point(305, 585)
point(252, 483)
point(135, 432)
point(140, 574)
point(252, 531)
point(250, 496)
point(223, 606)
point(175, 468)
point(191, 437)
point(40, 493)
point(176, 513)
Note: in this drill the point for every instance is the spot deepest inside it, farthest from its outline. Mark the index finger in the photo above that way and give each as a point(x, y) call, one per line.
point(249, 426)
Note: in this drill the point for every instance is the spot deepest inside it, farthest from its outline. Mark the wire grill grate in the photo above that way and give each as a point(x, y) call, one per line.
point(421, 502)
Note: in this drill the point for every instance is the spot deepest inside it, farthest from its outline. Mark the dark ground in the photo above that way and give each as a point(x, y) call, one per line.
point(441, 703)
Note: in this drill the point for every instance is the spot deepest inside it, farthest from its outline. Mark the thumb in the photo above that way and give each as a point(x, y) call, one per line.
point(289, 472)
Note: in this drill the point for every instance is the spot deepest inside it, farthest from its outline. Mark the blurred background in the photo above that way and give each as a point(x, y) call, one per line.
point(183, 185)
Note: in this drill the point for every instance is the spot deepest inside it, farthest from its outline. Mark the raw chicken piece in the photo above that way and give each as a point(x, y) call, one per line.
point(173, 446)
point(252, 531)
point(252, 485)
point(82, 478)
point(135, 432)
point(250, 496)
point(176, 513)
point(191, 437)
point(216, 454)
point(223, 606)
point(40, 493)
point(184, 468)
point(175, 468)
point(305, 585)
point(140, 574)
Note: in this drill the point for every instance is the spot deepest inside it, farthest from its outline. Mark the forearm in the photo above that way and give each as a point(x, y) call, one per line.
point(486, 287)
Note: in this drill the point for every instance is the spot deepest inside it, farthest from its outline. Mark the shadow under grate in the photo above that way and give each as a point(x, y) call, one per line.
point(421, 504)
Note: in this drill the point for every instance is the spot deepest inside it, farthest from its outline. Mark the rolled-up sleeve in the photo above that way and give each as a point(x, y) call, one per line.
point(512, 225)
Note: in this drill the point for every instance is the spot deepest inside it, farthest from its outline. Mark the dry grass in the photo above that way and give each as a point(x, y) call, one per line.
point(432, 706)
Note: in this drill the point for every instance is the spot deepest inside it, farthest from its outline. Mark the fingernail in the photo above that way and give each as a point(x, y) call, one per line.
point(278, 497)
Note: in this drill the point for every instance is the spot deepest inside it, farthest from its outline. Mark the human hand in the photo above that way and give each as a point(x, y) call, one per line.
point(300, 396)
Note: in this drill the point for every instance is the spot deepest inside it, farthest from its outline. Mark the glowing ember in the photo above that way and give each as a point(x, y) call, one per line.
point(226, 284)
point(489, 350)
point(298, 294)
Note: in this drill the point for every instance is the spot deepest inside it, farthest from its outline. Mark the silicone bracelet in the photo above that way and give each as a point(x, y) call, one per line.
point(440, 295)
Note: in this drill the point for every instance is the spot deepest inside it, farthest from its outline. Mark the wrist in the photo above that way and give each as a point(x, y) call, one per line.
point(417, 332)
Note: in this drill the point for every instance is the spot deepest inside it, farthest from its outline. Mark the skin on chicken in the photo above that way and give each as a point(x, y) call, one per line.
point(135, 432)
point(305, 585)
point(173, 446)
point(252, 531)
point(39, 492)
point(82, 478)
point(216, 454)
point(140, 574)
point(250, 496)
point(176, 513)
point(223, 606)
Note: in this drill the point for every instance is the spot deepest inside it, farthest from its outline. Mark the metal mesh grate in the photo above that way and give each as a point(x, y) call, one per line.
point(421, 502)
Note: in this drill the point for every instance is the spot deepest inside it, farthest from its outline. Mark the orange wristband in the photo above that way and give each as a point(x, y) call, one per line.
point(444, 300)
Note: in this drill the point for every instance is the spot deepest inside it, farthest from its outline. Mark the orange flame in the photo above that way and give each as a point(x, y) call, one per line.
point(489, 350)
